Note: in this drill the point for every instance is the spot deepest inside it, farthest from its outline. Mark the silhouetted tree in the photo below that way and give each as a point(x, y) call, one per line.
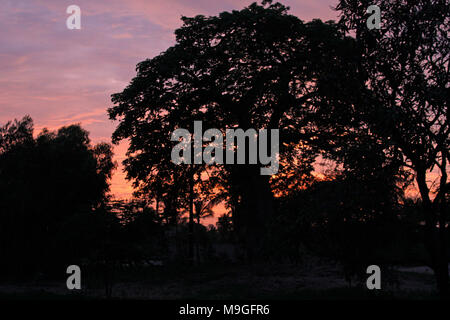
point(254, 68)
point(225, 226)
point(204, 209)
point(404, 102)
point(45, 182)
point(143, 231)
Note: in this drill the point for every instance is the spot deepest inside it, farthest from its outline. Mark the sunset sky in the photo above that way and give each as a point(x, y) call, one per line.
point(60, 76)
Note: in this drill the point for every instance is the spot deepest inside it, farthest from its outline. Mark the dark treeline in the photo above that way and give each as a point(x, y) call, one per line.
point(372, 103)
point(50, 186)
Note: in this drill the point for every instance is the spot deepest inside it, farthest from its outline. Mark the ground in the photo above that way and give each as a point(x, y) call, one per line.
point(307, 281)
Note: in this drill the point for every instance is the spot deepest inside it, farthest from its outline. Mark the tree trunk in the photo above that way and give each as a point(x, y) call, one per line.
point(253, 211)
point(191, 217)
point(435, 238)
point(157, 206)
point(443, 283)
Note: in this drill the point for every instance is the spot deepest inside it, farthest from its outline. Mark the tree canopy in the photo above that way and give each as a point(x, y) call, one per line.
point(259, 67)
point(45, 182)
point(404, 101)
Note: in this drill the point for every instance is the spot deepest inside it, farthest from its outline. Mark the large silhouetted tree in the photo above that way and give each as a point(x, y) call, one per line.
point(255, 68)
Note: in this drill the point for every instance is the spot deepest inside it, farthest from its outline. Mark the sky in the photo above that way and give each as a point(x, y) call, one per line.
point(60, 76)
